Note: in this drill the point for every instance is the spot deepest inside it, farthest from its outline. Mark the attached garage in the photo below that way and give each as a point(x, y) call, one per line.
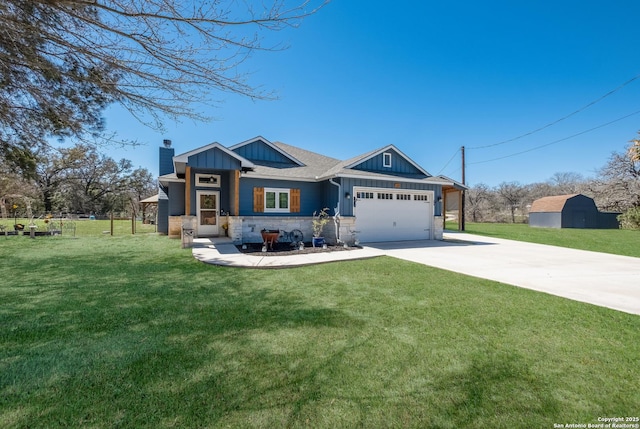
point(381, 195)
point(384, 214)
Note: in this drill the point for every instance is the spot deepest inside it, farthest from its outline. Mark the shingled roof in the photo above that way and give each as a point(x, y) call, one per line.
point(553, 204)
point(307, 165)
point(320, 167)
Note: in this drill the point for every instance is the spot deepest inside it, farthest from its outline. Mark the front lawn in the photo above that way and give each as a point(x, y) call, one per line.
point(615, 241)
point(131, 331)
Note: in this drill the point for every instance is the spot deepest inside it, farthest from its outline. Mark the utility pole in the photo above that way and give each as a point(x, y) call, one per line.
point(462, 200)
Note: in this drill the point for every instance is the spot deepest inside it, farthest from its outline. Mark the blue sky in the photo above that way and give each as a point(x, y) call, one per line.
point(430, 77)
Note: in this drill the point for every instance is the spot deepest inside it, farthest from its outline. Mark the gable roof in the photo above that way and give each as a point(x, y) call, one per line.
point(273, 146)
point(354, 162)
point(311, 165)
point(180, 161)
point(347, 169)
point(307, 165)
point(320, 167)
point(553, 204)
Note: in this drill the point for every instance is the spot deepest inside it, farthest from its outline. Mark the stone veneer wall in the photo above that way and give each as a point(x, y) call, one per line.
point(348, 234)
point(438, 228)
point(246, 229)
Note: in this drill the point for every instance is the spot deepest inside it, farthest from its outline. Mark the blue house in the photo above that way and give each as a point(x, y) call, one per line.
point(381, 195)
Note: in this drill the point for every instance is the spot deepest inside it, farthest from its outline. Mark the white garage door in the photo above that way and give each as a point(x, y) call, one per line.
point(393, 214)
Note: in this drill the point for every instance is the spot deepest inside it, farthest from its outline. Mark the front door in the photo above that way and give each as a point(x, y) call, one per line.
point(207, 212)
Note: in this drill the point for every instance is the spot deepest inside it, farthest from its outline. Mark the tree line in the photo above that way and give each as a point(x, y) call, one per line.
point(77, 180)
point(614, 188)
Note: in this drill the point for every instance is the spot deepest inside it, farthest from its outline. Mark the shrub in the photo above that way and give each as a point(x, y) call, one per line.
point(630, 219)
point(320, 219)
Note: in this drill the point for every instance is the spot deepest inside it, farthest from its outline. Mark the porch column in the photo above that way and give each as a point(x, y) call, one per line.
point(236, 194)
point(187, 191)
point(444, 209)
point(460, 211)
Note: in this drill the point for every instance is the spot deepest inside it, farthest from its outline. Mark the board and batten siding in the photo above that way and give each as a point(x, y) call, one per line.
point(225, 189)
point(259, 151)
point(214, 159)
point(399, 165)
point(349, 183)
point(310, 197)
point(176, 199)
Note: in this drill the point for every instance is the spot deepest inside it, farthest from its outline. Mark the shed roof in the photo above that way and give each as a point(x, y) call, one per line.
point(553, 204)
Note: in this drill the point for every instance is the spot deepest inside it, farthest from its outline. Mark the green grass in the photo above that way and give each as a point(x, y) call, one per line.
point(615, 241)
point(131, 331)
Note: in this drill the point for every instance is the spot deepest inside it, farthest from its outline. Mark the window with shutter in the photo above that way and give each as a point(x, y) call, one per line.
point(258, 200)
point(276, 200)
point(295, 200)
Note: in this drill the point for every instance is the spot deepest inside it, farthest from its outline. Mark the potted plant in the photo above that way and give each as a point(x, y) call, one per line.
point(320, 219)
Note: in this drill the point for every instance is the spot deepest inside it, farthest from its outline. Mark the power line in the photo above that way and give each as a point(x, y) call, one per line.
point(454, 172)
point(557, 141)
point(585, 107)
point(449, 162)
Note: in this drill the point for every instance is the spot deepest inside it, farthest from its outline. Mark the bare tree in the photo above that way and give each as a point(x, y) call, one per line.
point(617, 187)
point(567, 183)
point(63, 61)
point(512, 195)
point(478, 202)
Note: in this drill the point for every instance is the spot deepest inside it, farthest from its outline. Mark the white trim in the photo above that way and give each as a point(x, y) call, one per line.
point(208, 230)
point(382, 177)
point(183, 158)
point(377, 190)
point(454, 182)
point(215, 180)
point(250, 175)
point(170, 178)
point(398, 179)
point(385, 149)
point(278, 192)
point(271, 145)
point(386, 159)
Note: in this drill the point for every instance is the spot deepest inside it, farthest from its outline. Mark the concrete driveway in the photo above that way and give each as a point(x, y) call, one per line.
point(597, 278)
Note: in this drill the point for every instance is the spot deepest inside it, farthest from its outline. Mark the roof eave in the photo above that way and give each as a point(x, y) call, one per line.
point(251, 175)
point(180, 161)
point(271, 145)
point(427, 180)
point(384, 149)
point(169, 178)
